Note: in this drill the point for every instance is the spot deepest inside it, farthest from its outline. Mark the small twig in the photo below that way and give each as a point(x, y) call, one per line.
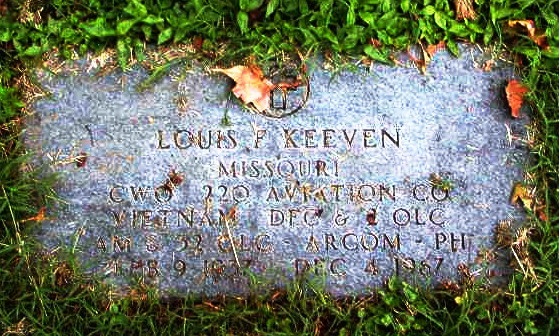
point(79, 233)
point(518, 260)
point(232, 242)
point(90, 135)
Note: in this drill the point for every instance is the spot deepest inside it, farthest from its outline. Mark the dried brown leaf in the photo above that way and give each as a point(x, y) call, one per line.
point(232, 214)
point(81, 160)
point(251, 85)
point(504, 233)
point(375, 42)
point(530, 27)
point(211, 305)
point(432, 49)
point(39, 217)
point(63, 275)
point(449, 286)
point(541, 40)
point(197, 43)
point(3, 7)
point(421, 64)
point(540, 212)
point(528, 24)
point(520, 193)
point(465, 10)
point(529, 201)
point(488, 65)
point(515, 94)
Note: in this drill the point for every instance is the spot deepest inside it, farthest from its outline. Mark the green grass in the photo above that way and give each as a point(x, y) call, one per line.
point(43, 295)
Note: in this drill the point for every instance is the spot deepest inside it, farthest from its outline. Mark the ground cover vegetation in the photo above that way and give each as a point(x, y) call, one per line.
point(42, 294)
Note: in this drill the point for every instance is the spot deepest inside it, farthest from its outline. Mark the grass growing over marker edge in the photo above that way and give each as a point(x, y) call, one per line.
point(44, 295)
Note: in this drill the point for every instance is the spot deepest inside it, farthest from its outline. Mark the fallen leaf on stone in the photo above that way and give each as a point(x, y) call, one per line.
point(251, 85)
point(530, 26)
point(175, 178)
point(520, 193)
point(231, 215)
point(371, 217)
point(81, 159)
point(421, 64)
point(173, 181)
point(515, 94)
point(432, 49)
point(488, 65)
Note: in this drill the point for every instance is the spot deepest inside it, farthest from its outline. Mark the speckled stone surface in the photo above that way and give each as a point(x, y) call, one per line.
point(344, 185)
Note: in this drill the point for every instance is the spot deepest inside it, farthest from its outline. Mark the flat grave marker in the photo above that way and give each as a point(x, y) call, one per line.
point(382, 172)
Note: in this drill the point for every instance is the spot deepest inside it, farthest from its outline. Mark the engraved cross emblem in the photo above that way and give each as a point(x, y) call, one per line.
point(291, 91)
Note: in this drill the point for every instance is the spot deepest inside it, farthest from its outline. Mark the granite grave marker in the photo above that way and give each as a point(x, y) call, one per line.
point(383, 172)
